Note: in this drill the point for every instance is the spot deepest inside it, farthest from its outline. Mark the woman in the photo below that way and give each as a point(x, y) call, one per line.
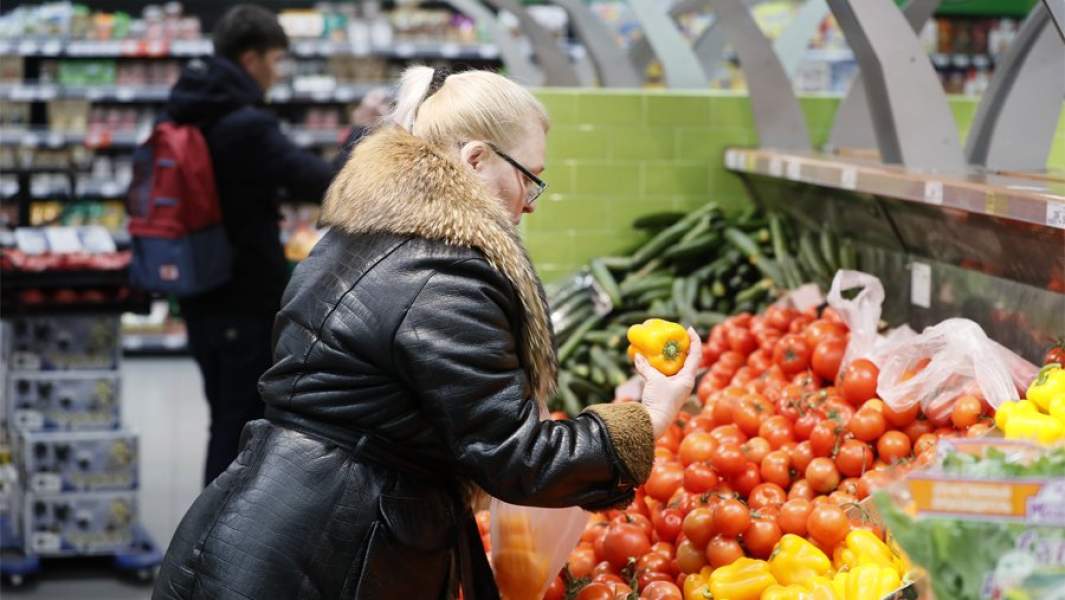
point(413, 356)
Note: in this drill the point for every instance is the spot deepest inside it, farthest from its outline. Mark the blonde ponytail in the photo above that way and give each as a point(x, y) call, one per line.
point(413, 85)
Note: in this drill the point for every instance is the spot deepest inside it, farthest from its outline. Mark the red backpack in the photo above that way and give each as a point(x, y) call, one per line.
point(179, 245)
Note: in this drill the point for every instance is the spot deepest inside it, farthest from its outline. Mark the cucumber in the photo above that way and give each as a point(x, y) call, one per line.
point(680, 301)
point(599, 336)
point(636, 285)
point(691, 291)
point(829, 251)
point(706, 297)
point(668, 236)
point(582, 386)
point(569, 400)
point(708, 319)
point(719, 289)
point(755, 292)
point(812, 256)
point(658, 220)
point(614, 375)
point(701, 227)
point(743, 243)
point(704, 272)
point(659, 293)
point(570, 346)
point(698, 247)
point(574, 318)
point(848, 255)
point(598, 376)
point(633, 317)
point(581, 371)
point(602, 276)
point(617, 263)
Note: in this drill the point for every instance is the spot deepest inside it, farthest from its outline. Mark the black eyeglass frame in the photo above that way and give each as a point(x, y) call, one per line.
point(540, 184)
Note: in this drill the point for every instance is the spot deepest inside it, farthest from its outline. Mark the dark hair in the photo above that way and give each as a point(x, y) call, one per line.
point(247, 27)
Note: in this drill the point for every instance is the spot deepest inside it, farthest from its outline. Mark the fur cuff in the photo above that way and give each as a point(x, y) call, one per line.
point(629, 427)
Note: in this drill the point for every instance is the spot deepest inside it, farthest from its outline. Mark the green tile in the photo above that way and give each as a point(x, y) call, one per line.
point(578, 141)
point(731, 111)
point(600, 178)
point(590, 245)
point(703, 144)
point(578, 211)
point(561, 106)
point(626, 209)
point(559, 176)
point(604, 108)
point(820, 112)
point(638, 143)
point(549, 248)
point(669, 110)
point(675, 178)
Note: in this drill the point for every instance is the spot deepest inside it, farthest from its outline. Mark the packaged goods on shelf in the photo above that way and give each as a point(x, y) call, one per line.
point(56, 343)
point(81, 524)
point(41, 401)
point(84, 461)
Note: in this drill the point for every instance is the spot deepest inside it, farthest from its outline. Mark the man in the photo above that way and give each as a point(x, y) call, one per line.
point(229, 327)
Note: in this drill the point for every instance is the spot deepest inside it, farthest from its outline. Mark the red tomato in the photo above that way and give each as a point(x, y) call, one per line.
point(801, 454)
point(859, 381)
point(639, 520)
point(825, 437)
point(700, 477)
point(826, 358)
point(838, 411)
point(918, 428)
point(668, 524)
point(723, 551)
point(699, 526)
point(780, 318)
point(854, 458)
point(792, 354)
point(827, 524)
point(893, 446)
point(665, 549)
point(759, 360)
point(742, 341)
point(624, 541)
point(901, 418)
point(1056, 353)
point(732, 359)
point(698, 423)
point(823, 329)
point(755, 449)
point(801, 489)
point(793, 515)
point(842, 498)
point(777, 431)
point(776, 468)
point(867, 425)
point(581, 561)
point(966, 412)
point(689, 558)
point(697, 446)
point(822, 475)
point(557, 589)
point(750, 412)
point(596, 591)
point(766, 494)
point(711, 352)
point(728, 459)
point(661, 590)
point(747, 479)
point(655, 561)
point(731, 518)
point(665, 478)
point(927, 442)
point(854, 486)
point(761, 537)
point(805, 424)
point(800, 323)
point(728, 434)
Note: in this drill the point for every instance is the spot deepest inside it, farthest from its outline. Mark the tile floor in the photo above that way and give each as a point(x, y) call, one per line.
point(163, 402)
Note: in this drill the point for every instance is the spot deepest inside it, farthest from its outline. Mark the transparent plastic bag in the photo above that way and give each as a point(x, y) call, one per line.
point(530, 545)
point(959, 359)
point(861, 314)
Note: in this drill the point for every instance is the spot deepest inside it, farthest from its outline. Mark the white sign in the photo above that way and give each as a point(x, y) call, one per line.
point(1055, 214)
point(46, 483)
point(794, 171)
point(933, 192)
point(45, 542)
point(776, 167)
point(848, 178)
point(29, 420)
point(921, 284)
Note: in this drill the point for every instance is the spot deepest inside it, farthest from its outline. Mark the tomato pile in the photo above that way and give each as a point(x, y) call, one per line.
point(784, 443)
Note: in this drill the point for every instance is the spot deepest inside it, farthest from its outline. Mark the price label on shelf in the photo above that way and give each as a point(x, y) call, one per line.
point(125, 94)
point(921, 284)
point(794, 170)
point(28, 47)
point(730, 159)
point(110, 189)
point(449, 50)
point(30, 140)
point(1055, 214)
point(44, 542)
point(46, 483)
point(52, 48)
point(47, 92)
point(405, 50)
point(996, 205)
point(345, 93)
point(488, 51)
point(55, 139)
point(933, 192)
point(848, 178)
point(303, 139)
point(31, 420)
point(776, 167)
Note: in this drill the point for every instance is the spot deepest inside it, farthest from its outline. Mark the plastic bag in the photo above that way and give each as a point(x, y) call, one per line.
point(958, 358)
point(530, 545)
point(862, 314)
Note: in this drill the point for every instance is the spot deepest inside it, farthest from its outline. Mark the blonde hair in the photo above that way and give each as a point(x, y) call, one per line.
point(472, 105)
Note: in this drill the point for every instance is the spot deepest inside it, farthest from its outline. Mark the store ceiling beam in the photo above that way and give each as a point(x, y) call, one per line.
point(1009, 130)
point(853, 125)
point(555, 66)
point(680, 66)
point(777, 115)
point(912, 120)
point(1057, 14)
point(612, 66)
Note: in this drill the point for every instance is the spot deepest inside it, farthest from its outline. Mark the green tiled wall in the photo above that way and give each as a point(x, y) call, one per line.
point(615, 155)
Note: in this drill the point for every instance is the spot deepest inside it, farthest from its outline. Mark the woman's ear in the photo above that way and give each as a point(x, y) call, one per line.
point(473, 154)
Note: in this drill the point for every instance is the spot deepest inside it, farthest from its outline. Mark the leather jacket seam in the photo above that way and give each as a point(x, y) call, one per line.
point(621, 471)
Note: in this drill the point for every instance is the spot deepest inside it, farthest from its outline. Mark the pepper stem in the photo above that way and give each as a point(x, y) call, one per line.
point(671, 350)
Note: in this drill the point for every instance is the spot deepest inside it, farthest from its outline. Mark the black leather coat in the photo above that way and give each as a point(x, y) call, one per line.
point(402, 378)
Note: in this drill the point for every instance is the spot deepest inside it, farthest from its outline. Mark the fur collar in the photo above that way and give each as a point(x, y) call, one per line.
point(395, 182)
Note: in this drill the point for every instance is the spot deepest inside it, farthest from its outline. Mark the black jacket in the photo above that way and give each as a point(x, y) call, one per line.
point(253, 161)
point(408, 370)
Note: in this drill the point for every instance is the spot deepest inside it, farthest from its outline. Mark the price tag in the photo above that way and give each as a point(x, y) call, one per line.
point(449, 50)
point(345, 93)
point(776, 167)
point(47, 93)
point(156, 48)
point(21, 93)
point(405, 50)
point(488, 51)
point(933, 192)
point(46, 483)
point(55, 139)
point(130, 48)
point(848, 178)
point(921, 284)
point(63, 240)
point(281, 94)
point(45, 542)
point(52, 48)
point(1056, 214)
point(794, 170)
point(28, 47)
point(110, 189)
point(730, 159)
point(125, 94)
point(132, 342)
point(94, 94)
point(30, 139)
point(29, 420)
point(996, 205)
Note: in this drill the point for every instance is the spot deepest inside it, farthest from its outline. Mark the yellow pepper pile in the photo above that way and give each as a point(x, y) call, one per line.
point(1041, 416)
point(864, 568)
point(663, 343)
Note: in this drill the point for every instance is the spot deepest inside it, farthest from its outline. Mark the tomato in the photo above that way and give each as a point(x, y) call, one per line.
point(918, 428)
point(624, 541)
point(854, 458)
point(859, 381)
point(822, 330)
point(689, 558)
point(893, 446)
point(747, 479)
point(557, 589)
point(874, 480)
point(742, 341)
point(825, 437)
point(581, 561)
point(801, 454)
point(800, 323)
point(842, 498)
point(760, 360)
point(728, 459)
point(867, 425)
point(700, 477)
point(777, 431)
point(755, 449)
point(723, 551)
point(655, 561)
point(801, 489)
point(728, 434)
point(705, 388)
point(776, 468)
point(629, 518)
point(967, 411)
point(750, 412)
point(661, 590)
point(766, 494)
point(822, 475)
point(827, 524)
point(901, 418)
point(805, 424)
point(838, 411)
point(927, 442)
point(698, 423)
point(792, 354)
point(1055, 354)
point(793, 515)
point(779, 317)
point(723, 409)
point(697, 446)
point(699, 526)
point(731, 518)
point(596, 591)
point(854, 486)
point(664, 548)
point(603, 568)
point(732, 360)
point(761, 537)
point(827, 355)
point(665, 478)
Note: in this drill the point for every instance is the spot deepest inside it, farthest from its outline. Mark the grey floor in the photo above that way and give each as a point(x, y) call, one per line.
point(163, 402)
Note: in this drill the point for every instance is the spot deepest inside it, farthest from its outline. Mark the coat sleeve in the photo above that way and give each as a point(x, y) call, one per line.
point(455, 349)
point(304, 174)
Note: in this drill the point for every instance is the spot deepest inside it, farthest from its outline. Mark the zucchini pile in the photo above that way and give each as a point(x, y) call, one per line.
point(695, 268)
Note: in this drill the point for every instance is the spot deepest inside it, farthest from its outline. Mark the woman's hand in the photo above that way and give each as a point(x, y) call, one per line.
point(663, 396)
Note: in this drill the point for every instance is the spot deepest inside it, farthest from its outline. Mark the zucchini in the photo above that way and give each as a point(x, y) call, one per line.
point(602, 276)
point(635, 285)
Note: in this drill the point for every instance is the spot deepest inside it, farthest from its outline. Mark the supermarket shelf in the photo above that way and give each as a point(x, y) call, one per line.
point(43, 138)
point(1029, 200)
point(37, 92)
point(134, 304)
point(315, 138)
point(154, 344)
point(962, 61)
point(65, 279)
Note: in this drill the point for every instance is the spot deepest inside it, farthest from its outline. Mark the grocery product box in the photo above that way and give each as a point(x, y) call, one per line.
point(88, 342)
point(79, 524)
point(53, 462)
point(10, 502)
point(63, 401)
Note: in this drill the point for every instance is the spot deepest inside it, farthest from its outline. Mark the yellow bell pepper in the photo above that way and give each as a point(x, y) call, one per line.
point(1057, 408)
point(821, 589)
point(1049, 384)
point(1044, 428)
point(1003, 414)
point(664, 344)
point(795, 561)
point(866, 582)
point(786, 592)
point(697, 585)
point(744, 579)
point(862, 547)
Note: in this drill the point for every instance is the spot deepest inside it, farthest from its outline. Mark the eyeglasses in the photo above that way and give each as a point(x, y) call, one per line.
point(539, 185)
